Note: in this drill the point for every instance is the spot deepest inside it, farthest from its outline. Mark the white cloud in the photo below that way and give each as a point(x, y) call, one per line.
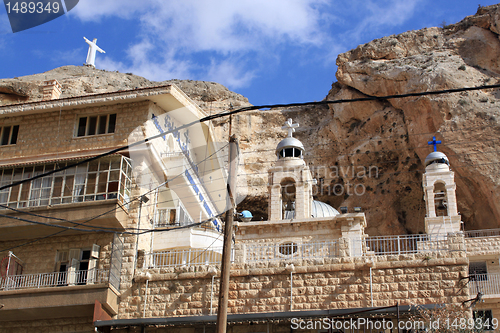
point(230, 73)
point(92, 10)
point(229, 35)
point(380, 14)
point(226, 29)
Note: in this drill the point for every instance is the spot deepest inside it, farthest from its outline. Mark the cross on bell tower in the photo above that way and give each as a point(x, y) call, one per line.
point(290, 127)
point(434, 143)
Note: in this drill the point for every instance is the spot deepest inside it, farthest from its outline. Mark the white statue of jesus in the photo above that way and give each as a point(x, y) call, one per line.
point(93, 48)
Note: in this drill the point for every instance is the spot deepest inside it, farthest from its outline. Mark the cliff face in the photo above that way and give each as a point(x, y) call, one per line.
point(370, 154)
point(366, 154)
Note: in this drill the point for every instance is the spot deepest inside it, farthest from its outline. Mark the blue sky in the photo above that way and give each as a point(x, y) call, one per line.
point(271, 51)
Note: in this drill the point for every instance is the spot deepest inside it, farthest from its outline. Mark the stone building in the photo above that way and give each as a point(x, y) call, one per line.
point(69, 240)
point(308, 262)
point(131, 241)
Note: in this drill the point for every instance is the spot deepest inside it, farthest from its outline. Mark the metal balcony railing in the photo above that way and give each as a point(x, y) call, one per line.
point(185, 257)
point(487, 284)
point(402, 244)
point(54, 279)
point(482, 233)
point(291, 251)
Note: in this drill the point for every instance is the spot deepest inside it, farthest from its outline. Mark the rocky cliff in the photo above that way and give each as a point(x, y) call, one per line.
point(366, 154)
point(370, 154)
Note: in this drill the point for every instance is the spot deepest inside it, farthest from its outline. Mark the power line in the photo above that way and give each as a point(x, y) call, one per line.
point(250, 108)
point(130, 201)
point(244, 109)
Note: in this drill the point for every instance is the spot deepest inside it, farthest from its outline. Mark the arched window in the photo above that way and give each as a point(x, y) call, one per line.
point(440, 203)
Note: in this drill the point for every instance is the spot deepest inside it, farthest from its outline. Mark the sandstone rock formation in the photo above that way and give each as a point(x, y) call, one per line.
point(366, 154)
point(392, 135)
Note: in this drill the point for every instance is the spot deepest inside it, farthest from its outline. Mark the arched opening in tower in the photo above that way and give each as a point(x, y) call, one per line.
point(288, 194)
point(440, 199)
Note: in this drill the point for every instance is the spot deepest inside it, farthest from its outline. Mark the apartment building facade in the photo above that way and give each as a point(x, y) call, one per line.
point(69, 239)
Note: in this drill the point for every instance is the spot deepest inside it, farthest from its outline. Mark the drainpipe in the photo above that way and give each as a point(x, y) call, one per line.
point(291, 268)
point(211, 271)
point(7, 271)
point(369, 263)
point(147, 276)
point(142, 199)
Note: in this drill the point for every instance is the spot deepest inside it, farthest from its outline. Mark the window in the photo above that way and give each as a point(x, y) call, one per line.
point(8, 135)
point(77, 266)
point(486, 318)
point(287, 249)
point(106, 178)
point(178, 216)
point(478, 271)
point(96, 125)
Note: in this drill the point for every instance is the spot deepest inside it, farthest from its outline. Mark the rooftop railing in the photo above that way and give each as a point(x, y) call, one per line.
point(482, 233)
point(402, 244)
point(184, 257)
point(291, 251)
point(54, 279)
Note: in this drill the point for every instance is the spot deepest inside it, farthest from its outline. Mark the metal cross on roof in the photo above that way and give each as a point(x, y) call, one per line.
point(434, 142)
point(290, 127)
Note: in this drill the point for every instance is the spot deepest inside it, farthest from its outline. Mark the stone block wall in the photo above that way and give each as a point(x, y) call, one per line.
point(334, 283)
point(477, 246)
point(40, 257)
point(54, 132)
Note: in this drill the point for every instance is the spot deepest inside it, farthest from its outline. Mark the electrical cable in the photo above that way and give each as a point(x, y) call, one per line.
point(227, 113)
point(249, 108)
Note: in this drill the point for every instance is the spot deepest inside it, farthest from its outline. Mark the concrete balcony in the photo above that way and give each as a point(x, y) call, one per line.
point(56, 295)
point(24, 224)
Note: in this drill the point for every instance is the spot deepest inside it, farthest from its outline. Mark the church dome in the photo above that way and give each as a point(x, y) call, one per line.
point(436, 157)
point(290, 147)
point(321, 209)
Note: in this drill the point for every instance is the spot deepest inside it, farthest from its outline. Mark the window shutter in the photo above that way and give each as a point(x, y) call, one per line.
point(74, 254)
point(62, 256)
point(73, 271)
point(95, 251)
point(92, 272)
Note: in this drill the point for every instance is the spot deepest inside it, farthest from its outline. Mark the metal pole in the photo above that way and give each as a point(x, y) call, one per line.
point(137, 237)
point(7, 272)
point(145, 299)
point(397, 306)
point(371, 286)
point(212, 295)
point(291, 290)
point(228, 233)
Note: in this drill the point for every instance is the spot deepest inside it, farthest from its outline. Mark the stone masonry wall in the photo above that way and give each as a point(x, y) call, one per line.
point(40, 257)
point(332, 283)
point(477, 246)
point(55, 131)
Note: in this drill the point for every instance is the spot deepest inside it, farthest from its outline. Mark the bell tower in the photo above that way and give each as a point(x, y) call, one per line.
point(290, 180)
point(440, 194)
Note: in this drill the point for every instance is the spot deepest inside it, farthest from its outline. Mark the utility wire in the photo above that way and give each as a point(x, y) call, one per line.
point(250, 108)
point(245, 109)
